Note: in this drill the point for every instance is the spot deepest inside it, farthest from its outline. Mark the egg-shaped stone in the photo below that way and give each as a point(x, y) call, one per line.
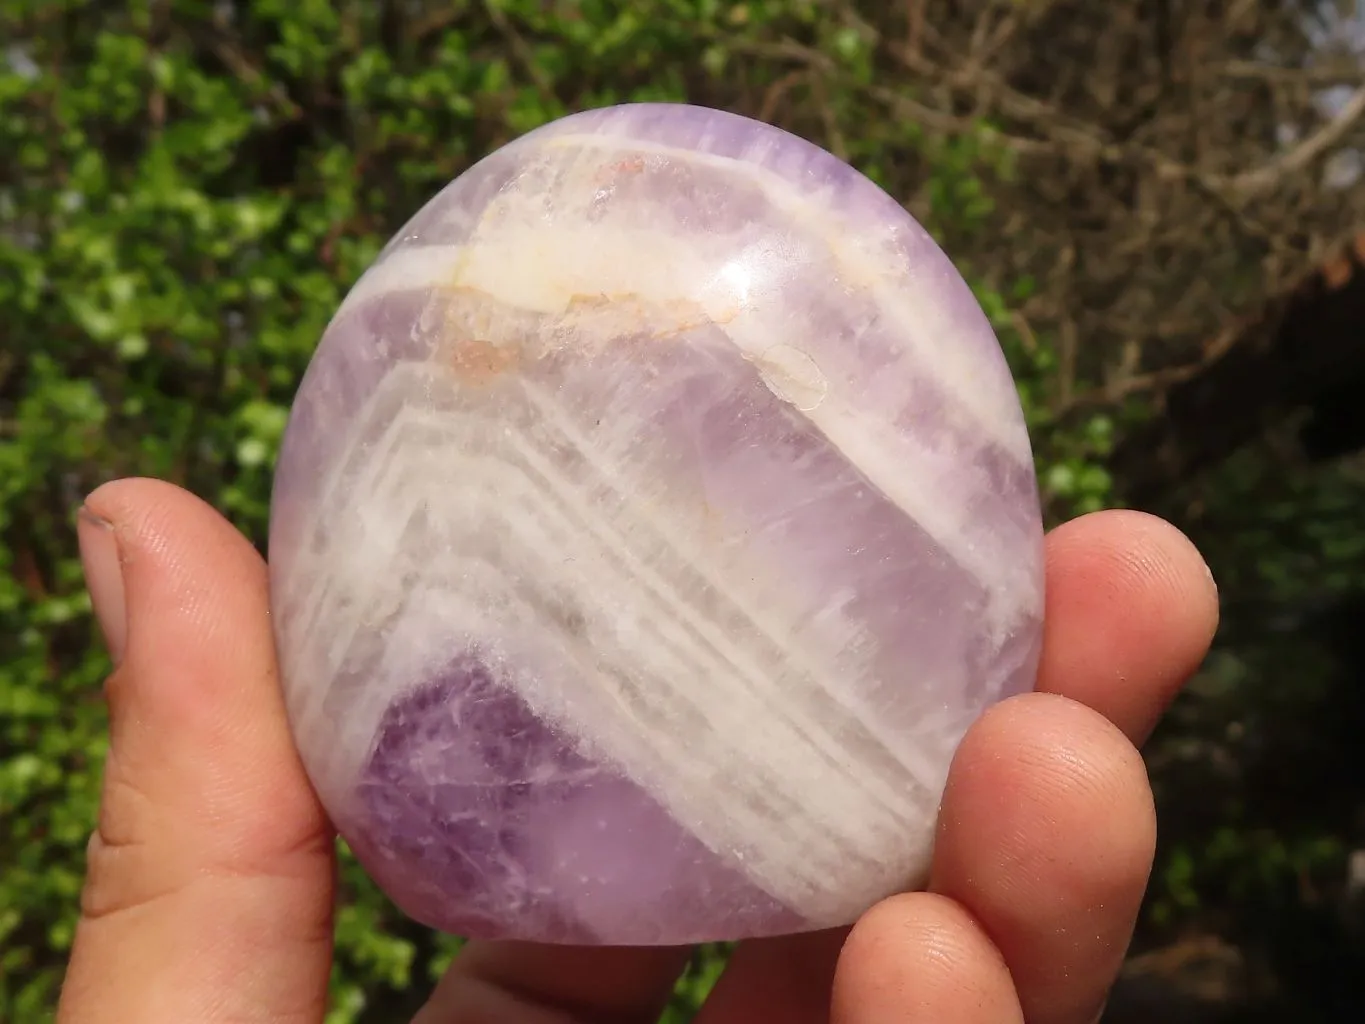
point(654, 518)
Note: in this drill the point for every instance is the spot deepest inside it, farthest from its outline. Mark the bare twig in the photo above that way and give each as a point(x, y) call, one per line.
point(1317, 77)
point(914, 20)
point(1128, 384)
point(777, 92)
point(838, 145)
point(521, 50)
point(227, 51)
point(1168, 188)
point(1314, 146)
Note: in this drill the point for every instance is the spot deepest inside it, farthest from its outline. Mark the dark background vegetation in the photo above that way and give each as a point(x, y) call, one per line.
point(1158, 203)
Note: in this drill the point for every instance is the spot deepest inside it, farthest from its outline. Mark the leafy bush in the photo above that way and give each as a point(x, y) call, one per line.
point(188, 191)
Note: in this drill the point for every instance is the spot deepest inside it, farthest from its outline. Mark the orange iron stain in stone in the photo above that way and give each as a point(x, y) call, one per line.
point(478, 361)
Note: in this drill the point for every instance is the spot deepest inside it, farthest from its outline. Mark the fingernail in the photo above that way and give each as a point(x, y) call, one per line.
point(104, 578)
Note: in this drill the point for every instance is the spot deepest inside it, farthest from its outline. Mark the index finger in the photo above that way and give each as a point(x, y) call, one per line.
point(1131, 610)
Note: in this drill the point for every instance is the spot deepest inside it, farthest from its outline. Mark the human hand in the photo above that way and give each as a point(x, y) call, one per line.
point(210, 878)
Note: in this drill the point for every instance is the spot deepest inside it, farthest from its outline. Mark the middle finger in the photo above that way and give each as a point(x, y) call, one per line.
point(1046, 837)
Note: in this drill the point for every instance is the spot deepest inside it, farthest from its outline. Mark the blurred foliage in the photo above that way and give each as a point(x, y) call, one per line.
point(188, 190)
point(1258, 771)
point(194, 188)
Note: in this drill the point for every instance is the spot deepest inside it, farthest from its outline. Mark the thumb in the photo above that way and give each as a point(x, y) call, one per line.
point(209, 885)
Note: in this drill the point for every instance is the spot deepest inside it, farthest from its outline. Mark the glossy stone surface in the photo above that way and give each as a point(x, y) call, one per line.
point(654, 518)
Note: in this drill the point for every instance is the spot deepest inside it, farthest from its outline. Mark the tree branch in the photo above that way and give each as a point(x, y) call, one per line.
point(1305, 152)
point(1316, 77)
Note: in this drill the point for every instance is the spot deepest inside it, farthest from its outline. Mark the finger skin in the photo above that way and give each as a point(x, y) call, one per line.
point(209, 886)
point(1046, 837)
point(256, 843)
point(777, 981)
point(1131, 610)
point(533, 983)
point(921, 958)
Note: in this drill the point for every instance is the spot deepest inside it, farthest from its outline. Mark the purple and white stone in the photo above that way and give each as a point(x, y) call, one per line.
point(656, 515)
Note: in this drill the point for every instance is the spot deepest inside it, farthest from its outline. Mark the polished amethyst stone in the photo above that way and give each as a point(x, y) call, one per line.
point(656, 515)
